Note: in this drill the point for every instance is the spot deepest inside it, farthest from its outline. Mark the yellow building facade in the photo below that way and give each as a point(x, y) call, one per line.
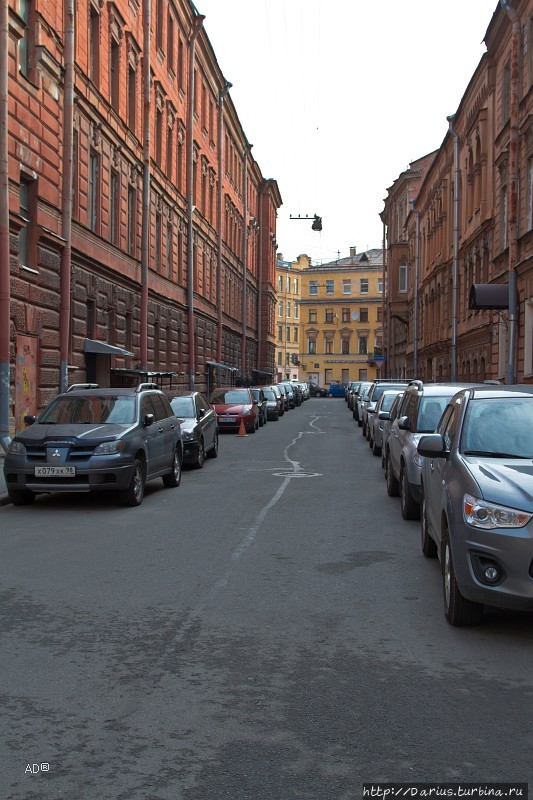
point(341, 319)
point(288, 332)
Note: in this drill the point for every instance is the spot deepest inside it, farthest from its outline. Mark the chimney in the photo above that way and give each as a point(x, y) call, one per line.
point(353, 251)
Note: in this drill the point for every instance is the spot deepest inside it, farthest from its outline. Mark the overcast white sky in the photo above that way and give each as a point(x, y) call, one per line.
point(338, 96)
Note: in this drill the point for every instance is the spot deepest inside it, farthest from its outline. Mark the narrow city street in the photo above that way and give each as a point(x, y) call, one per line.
point(267, 631)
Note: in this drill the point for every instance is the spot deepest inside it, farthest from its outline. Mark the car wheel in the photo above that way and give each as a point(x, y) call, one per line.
point(457, 609)
point(354, 415)
point(393, 490)
point(199, 461)
point(174, 477)
point(410, 508)
point(133, 495)
point(20, 497)
point(360, 422)
point(376, 449)
point(254, 427)
point(213, 453)
point(330, 395)
point(429, 547)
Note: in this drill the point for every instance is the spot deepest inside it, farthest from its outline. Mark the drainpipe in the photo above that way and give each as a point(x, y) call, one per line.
point(5, 314)
point(260, 283)
point(220, 197)
point(455, 267)
point(510, 373)
point(247, 149)
point(415, 298)
point(145, 243)
point(197, 25)
point(66, 203)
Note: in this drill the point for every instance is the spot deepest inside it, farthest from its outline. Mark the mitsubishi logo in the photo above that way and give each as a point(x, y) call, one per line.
point(56, 454)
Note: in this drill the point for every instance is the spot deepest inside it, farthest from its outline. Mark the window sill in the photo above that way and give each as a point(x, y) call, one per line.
point(29, 269)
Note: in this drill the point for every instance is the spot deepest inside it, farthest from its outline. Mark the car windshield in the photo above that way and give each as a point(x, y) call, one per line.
point(388, 400)
point(183, 407)
point(500, 426)
point(383, 387)
point(228, 396)
point(94, 410)
point(269, 394)
point(430, 412)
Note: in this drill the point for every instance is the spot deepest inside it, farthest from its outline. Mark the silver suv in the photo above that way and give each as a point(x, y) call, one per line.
point(372, 396)
point(420, 412)
point(93, 439)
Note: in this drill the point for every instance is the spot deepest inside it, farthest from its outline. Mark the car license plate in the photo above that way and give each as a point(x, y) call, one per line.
point(227, 419)
point(55, 472)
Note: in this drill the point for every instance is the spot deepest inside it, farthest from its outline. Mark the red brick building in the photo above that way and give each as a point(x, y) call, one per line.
point(471, 225)
point(169, 261)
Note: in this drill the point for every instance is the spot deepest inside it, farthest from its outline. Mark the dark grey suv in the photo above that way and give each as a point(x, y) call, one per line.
point(96, 440)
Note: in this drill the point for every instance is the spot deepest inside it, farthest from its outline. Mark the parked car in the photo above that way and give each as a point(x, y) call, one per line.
point(317, 391)
point(285, 394)
point(259, 397)
point(273, 403)
point(96, 440)
point(233, 405)
point(420, 412)
point(387, 418)
point(379, 417)
point(351, 390)
point(199, 427)
point(477, 500)
point(294, 399)
point(371, 397)
point(304, 388)
point(357, 402)
point(280, 397)
point(336, 389)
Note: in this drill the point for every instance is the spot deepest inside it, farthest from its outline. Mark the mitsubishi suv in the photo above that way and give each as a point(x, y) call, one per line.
point(93, 439)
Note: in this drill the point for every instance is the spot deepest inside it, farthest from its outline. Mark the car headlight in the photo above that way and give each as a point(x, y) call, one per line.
point(188, 436)
point(481, 514)
point(109, 448)
point(16, 449)
point(246, 410)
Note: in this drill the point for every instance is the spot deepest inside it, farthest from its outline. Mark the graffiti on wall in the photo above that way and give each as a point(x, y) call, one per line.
point(25, 379)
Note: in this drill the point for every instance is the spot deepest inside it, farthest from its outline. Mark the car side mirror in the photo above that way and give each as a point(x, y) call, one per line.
point(432, 445)
point(29, 419)
point(404, 424)
point(201, 413)
point(148, 420)
point(384, 415)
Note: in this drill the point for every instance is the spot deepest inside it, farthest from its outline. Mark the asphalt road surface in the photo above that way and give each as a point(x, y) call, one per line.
point(267, 631)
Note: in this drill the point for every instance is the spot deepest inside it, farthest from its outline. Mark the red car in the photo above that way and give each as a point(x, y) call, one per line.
point(233, 405)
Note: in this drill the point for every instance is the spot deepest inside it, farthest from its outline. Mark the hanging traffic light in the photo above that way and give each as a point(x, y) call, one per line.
point(317, 224)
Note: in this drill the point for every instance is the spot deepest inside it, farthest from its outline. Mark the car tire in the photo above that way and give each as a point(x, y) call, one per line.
point(173, 479)
point(376, 449)
point(410, 508)
point(254, 428)
point(213, 453)
point(20, 497)
point(134, 494)
point(199, 461)
point(457, 609)
point(429, 546)
point(393, 489)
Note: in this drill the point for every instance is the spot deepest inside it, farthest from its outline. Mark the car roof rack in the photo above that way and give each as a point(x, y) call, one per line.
point(416, 382)
point(76, 386)
point(143, 386)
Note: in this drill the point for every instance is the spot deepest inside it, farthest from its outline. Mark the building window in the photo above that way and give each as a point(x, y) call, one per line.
point(170, 148)
point(170, 42)
point(313, 287)
point(506, 92)
point(346, 286)
point(158, 135)
point(295, 283)
point(288, 334)
point(503, 217)
point(345, 314)
point(363, 345)
point(328, 346)
point(288, 283)
point(330, 287)
point(380, 285)
point(169, 254)
point(280, 308)
point(159, 25)
point(296, 311)
point(280, 283)
point(363, 315)
point(402, 278)
point(529, 198)
point(94, 44)
point(312, 315)
point(380, 313)
point(363, 285)
point(180, 64)
point(280, 359)
point(114, 77)
point(157, 242)
point(280, 333)
point(132, 220)
point(27, 43)
point(295, 334)
point(90, 319)
point(132, 98)
point(114, 207)
point(288, 308)
point(94, 190)
point(311, 345)
point(345, 345)
point(329, 316)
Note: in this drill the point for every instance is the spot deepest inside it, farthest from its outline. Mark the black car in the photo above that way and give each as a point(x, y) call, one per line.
point(96, 440)
point(199, 427)
point(259, 396)
point(317, 391)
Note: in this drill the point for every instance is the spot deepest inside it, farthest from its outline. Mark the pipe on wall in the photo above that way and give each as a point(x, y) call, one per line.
point(220, 216)
point(5, 296)
point(247, 149)
point(455, 267)
point(145, 240)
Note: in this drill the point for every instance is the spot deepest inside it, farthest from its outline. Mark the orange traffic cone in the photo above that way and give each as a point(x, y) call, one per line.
point(242, 429)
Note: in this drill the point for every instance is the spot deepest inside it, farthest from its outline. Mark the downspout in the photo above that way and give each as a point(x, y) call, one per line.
point(386, 349)
point(415, 297)
point(220, 197)
point(260, 284)
point(510, 373)
point(455, 267)
point(197, 25)
point(246, 151)
point(145, 243)
point(5, 313)
point(66, 203)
